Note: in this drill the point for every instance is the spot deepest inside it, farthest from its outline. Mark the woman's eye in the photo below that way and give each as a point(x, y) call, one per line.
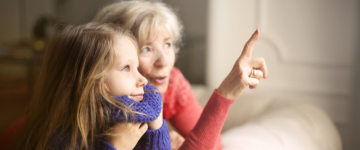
point(145, 49)
point(167, 45)
point(127, 68)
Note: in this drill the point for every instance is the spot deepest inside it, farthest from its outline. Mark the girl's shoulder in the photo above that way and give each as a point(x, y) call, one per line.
point(176, 73)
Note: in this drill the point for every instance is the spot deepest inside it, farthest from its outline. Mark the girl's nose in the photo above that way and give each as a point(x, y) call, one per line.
point(142, 81)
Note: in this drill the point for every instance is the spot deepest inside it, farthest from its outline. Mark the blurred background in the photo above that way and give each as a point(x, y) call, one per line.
point(312, 49)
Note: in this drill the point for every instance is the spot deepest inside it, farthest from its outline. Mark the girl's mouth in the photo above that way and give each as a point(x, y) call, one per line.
point(137, 97)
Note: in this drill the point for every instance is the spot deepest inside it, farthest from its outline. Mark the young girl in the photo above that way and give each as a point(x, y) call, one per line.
point(90, 95)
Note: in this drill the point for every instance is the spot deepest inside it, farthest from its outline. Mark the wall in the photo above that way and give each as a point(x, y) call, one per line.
point(310, 48)
point(17, 17)
point(191, 60)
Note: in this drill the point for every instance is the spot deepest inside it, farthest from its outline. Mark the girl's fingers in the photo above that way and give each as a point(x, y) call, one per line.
point(176, 140)
point(134, 127)
point(119, 126)
point(143, 128)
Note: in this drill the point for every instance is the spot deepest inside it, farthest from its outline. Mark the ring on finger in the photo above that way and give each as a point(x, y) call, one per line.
point(253, 73)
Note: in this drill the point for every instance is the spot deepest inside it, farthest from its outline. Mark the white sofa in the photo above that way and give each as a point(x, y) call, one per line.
point(256, 123)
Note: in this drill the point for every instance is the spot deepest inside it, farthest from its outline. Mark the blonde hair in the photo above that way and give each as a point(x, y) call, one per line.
point(145, 19)
point(71, 99)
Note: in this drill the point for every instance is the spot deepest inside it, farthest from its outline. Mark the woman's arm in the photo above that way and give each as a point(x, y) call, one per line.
point(209, 126)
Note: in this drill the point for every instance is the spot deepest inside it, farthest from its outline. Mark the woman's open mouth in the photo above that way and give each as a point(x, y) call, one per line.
point(159, 80)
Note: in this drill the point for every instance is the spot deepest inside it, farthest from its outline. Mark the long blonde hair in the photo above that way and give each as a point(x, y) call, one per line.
point(69, 100)
point(144, 19)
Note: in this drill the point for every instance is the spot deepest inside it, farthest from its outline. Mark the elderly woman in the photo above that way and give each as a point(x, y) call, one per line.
point(159, 32)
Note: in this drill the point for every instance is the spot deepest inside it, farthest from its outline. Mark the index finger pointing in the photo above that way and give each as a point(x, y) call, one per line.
point(246, 53)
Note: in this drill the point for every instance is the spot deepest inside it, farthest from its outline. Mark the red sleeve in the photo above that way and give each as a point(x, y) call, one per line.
point(209, 126)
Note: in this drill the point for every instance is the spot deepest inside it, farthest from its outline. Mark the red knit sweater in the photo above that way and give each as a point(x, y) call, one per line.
point(200, 127)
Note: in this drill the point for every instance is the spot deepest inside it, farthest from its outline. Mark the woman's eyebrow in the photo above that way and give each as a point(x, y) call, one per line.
point(166, 39)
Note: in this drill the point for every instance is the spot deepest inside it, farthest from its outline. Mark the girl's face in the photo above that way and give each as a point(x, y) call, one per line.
point(157, 58)
point(124, 78)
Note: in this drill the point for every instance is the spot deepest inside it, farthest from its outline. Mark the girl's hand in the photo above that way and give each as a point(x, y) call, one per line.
point(126, 135)
point(157, 123)
point(239, 77)
point(176, 140)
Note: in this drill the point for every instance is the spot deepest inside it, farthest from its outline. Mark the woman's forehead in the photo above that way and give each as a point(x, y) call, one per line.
point(153, 35)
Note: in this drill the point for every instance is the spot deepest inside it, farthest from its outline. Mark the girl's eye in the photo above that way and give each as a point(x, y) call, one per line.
point(167, 45)
point(145, 49)
point(127, 69)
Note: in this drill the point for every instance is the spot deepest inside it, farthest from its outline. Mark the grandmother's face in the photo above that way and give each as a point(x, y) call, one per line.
point(157, 58)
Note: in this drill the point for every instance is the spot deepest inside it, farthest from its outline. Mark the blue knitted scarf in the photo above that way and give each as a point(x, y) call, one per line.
point(150, 107)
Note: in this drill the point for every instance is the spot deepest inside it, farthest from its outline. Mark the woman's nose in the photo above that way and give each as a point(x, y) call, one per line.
point(161, 59)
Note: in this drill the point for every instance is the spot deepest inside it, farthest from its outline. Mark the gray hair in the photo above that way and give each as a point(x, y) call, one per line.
point(144, 18)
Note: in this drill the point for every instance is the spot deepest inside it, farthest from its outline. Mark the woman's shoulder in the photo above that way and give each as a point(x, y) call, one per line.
point(176, 94)
point(176, 74)
point(177, 80)
point(179, 88)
